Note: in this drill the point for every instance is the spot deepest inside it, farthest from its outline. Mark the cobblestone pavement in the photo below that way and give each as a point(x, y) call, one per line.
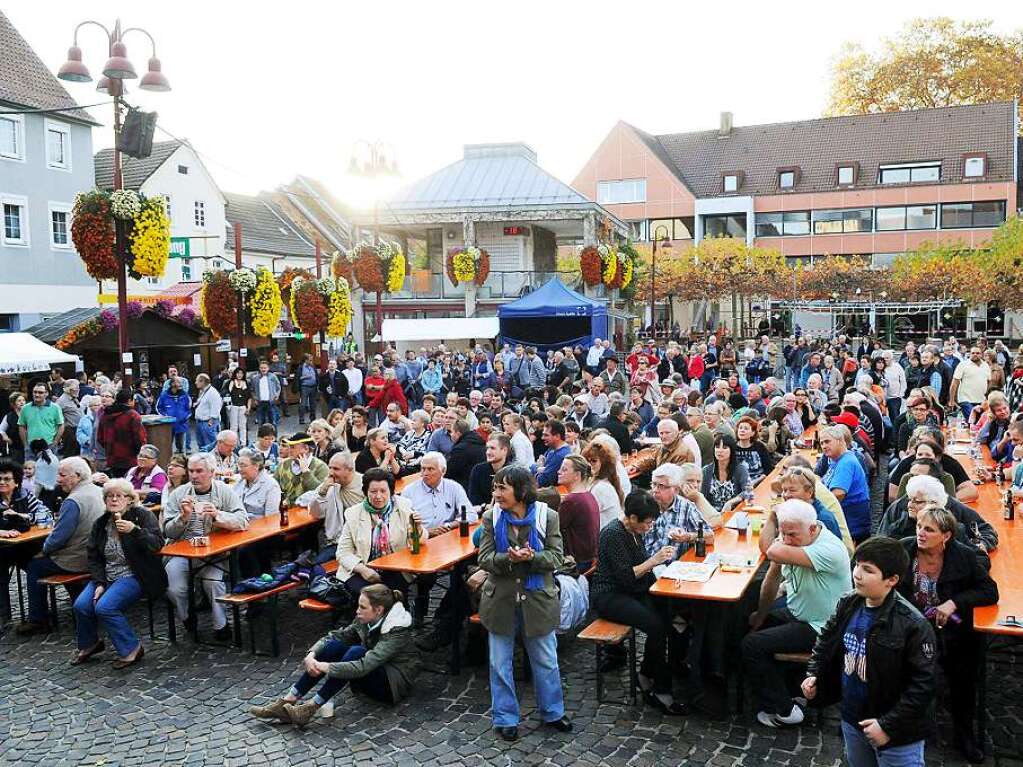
point(186, 705)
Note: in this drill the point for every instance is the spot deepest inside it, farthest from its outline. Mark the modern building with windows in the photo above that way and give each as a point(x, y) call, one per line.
point(866, 186)
point(45, 160)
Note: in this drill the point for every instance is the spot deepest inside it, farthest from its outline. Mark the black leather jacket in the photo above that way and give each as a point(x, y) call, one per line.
point(900, 666)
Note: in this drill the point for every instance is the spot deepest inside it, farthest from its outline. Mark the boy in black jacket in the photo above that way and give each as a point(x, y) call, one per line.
point(876, 656)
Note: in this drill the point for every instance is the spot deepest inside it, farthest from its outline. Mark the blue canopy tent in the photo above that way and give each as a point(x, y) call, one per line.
point(551, 317)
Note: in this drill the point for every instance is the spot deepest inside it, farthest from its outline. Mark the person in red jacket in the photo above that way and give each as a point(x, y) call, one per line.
point(121, 434)
point(390, 391)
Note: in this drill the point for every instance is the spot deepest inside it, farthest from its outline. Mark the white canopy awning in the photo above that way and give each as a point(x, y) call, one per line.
point(441, 329)
point(24, 353)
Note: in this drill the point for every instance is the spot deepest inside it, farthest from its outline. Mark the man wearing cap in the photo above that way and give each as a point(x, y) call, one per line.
point(581, 414)
point(615, 381)
point(302, 471)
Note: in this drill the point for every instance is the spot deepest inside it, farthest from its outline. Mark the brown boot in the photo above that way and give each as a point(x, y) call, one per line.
point(300, 714)
point(273, 710)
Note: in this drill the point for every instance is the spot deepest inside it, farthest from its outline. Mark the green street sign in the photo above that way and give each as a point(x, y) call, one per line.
point(180, 247)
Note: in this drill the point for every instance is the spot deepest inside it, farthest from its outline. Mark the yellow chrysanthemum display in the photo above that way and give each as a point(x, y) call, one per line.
point(627, 272)
point(396, 276)
point(265, 303)
point(610, 267)
point(464, 267)
point(339, 309)
point(150, 238)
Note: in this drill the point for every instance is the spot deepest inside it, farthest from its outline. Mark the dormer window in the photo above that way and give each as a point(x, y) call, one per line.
point(974, 165)
point(731, 181)
point(845, 174)
point(788, 178)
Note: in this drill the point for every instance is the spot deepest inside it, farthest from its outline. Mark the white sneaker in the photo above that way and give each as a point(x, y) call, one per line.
point(768, 720)
point(326, 711)
point(774, 721)
point(795, 716)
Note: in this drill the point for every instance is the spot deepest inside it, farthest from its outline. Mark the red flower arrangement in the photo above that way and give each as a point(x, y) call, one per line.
point(219, 304)
point(591, 266)
point(340, 266)
point(368, 270)
point(92, 231)
point(308, 309)
point(287, 277)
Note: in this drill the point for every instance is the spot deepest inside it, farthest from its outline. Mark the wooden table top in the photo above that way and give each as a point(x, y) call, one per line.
point(34, 533)
point(402, 482)
point(435, 554)
point(225, 541)
point(1006, 560)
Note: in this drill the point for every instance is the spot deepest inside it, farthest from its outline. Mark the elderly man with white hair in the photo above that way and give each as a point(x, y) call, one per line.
point(814, 565)
point(899, 520)
point(672, 449)
point(223, 452)
point(65, 549)
point(680, 520)
point(194, 510)
point(895, 375)
point(437, 500)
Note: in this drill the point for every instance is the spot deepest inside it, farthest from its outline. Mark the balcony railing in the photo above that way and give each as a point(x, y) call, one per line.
point(422, 284)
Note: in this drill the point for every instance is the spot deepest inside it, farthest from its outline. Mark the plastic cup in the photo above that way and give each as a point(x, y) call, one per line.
point(755, 524)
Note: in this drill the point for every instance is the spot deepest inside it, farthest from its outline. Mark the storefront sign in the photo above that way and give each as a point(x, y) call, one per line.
point(180, 247)
point(111, 298)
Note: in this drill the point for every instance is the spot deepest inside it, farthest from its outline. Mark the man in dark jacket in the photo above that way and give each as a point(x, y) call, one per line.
point(876, 656)
point(121, 434)
point(467, 451)
point(333, 386)
point(614, 423)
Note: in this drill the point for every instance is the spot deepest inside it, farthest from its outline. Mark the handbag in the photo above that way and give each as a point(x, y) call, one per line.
point(327, 588)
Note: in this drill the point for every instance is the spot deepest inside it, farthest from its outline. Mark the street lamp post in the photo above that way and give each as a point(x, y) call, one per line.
point(375, 167)
point(117, 69)
point(665, 245)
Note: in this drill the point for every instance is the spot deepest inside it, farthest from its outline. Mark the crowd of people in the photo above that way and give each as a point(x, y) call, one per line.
point(649, 446)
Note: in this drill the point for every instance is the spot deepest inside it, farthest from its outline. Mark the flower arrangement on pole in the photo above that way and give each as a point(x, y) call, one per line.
point(308, 307)
point(150, 237)
point(341, 264)
point(289, 275)
point(265, 303)
point(242, 280)
point(468, 264)
point(143, 222)
point(607, 265)
point(219, 303)
point(379, 268)
point(92, 231)
point(339, 308)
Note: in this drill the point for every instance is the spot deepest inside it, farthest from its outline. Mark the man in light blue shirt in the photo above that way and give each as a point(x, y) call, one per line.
point(438, 501)
point(172, 373)
point(546, 469)
point(441, 441)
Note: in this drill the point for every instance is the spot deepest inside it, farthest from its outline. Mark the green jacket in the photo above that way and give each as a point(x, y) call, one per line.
point(389, 646)
point(293, 485)
point(505, 589)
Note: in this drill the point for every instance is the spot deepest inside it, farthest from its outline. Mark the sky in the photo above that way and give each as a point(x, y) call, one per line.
point(264, 94)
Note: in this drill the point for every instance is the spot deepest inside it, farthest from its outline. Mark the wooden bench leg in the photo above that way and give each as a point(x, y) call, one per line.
point(633, 671)
point(252, 634)
point(236, 616)
point(600, 677)
point(172, 627)
point(275, 642)
point(53, 608)
point(152, 619)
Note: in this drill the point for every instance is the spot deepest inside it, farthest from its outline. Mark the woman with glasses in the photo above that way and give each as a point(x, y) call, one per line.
point(261, 496)
point(19, 510)
point(124, 566)
point(918, 413)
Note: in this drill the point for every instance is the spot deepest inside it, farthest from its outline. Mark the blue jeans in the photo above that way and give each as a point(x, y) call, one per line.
point(109, 608)
point(206, 434)
point(265, 411)
point(543, 657)
point(374, 684)
point(307, 402)
point(860, 753)
point(967, 408)
point(38, 568)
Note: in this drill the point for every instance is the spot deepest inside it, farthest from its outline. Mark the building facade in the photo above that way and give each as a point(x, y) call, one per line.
point(866, 186)
point(45, 160)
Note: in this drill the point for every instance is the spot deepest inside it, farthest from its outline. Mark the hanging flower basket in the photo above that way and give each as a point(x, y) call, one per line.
point(242, 280)
point(591, 266)
point(265, 303)
point(287, 277)
point(92, 232)
point(378, 269)
point(308, 307)
point(125, 204)
point(150, 237)
point(339, 308)
point(606, 265)
point(468, 265)
point(219, 303)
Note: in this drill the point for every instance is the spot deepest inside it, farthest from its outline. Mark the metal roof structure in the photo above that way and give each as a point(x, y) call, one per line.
point(27, 82)
point(489, 176)
point(53, 329)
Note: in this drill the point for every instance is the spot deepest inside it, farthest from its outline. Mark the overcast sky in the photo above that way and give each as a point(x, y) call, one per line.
point(265, 94)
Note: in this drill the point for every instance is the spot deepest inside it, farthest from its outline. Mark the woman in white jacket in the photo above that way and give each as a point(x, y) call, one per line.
point(376, 527)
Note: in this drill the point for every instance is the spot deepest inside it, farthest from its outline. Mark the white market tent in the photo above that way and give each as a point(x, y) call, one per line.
point(441, 329)
point(24, 353)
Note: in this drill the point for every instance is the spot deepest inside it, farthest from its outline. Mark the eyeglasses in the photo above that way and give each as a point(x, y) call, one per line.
point(663, 485)
point(916, 501)
point(117, 495)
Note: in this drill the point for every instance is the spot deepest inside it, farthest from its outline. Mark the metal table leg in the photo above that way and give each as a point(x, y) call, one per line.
point(457, 587)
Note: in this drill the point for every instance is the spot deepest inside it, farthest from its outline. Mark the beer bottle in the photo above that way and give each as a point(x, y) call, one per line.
point(463, 524)
point(284, 513)
point(701, 543)
point(1010, 506)
point(413, 537)
point(999, 474)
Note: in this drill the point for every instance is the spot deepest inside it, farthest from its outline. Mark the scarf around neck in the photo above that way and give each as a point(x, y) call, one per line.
point(380, 542)
point(534, 581)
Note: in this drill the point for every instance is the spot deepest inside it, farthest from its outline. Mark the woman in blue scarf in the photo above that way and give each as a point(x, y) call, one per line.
point(521, 549)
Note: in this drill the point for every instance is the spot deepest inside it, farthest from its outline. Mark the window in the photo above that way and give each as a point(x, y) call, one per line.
point(186, 270)
point(12, 141)
point(60, 225)
point(966, 215)
point(166, 198)
point(975, 166)
point(911, 173)
point(729, 225)
point(152, 280)
point(638, 230)
point(58, 145)
point(842, 221)
point(910, 217)
point(200, 213)
point(183, 170)
point(879, 260)
point(778, 224)
point(677, 229)
point(787, 178)
point(730, 182)
point(846, 175)
point(15, 211)
point(614, 192)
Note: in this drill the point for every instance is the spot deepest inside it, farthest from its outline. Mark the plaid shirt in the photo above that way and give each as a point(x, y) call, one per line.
point(121, 434)
point(683, 515)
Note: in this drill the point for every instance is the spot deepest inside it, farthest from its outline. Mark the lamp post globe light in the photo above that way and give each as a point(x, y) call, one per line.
point(116, 70)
